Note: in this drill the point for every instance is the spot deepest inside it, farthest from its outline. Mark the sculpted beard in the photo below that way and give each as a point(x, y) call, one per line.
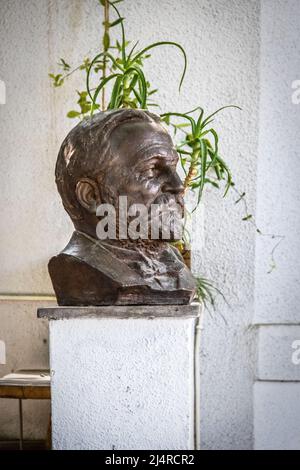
point(163, 216)
point(168, 216)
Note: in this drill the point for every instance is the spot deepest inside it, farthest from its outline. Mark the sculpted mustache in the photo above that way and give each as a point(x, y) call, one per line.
point(167, 199)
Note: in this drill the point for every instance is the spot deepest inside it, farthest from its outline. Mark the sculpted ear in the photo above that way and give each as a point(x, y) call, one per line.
point(88, 195)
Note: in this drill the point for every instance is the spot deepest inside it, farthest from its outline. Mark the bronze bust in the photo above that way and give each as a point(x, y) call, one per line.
point(115, 154)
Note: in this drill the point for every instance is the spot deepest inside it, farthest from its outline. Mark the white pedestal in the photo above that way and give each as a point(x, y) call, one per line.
point(122, 377)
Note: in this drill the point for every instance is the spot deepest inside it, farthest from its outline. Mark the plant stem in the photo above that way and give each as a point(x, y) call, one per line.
point(192, 170)
point(126, 91)
point(105, 48)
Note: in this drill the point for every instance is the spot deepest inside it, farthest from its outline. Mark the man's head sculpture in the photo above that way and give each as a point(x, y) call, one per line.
point(120, 153)
point(115, 154)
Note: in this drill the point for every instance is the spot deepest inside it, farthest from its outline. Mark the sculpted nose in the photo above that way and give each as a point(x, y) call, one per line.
point(172, 184)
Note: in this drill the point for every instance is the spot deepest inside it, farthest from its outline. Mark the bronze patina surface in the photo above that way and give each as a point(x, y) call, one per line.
point(118, 153)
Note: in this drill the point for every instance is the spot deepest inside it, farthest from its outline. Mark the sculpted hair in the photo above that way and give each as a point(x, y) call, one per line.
point(86, 150)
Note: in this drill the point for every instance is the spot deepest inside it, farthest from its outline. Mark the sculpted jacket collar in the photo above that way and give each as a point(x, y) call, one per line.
point(126, 271)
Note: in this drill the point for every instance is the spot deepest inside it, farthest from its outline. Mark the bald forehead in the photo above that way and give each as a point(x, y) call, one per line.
point(141, 140)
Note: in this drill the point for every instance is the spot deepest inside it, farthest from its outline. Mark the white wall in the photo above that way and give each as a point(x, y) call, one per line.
point(277, 295)
point(222, 40)
point(229, 60)
point(127, 366)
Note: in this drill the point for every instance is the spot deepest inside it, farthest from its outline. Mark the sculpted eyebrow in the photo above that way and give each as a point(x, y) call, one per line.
point(172, 160)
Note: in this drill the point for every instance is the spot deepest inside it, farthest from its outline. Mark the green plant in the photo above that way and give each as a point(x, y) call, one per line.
point(199, 151)
point(251, 219)
point(100, 66)
point(130, 87)
point(115, 66)
point(207, 292)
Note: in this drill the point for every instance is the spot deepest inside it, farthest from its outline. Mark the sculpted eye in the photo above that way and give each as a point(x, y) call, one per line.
point(150, 172)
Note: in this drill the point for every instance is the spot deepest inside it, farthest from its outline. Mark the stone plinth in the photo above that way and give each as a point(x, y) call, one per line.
point(122, 377)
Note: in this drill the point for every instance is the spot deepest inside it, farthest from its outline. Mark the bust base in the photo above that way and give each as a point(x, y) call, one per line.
point(122, 377)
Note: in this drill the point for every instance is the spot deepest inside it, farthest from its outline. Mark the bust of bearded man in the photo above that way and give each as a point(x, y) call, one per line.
point(114, 156)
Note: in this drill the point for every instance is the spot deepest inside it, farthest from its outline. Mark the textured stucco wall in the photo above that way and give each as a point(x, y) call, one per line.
point(278, 202)
point(222, 42)
point(276, 396)
point(229, 60)
point(122, 384)
point(276, 416)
